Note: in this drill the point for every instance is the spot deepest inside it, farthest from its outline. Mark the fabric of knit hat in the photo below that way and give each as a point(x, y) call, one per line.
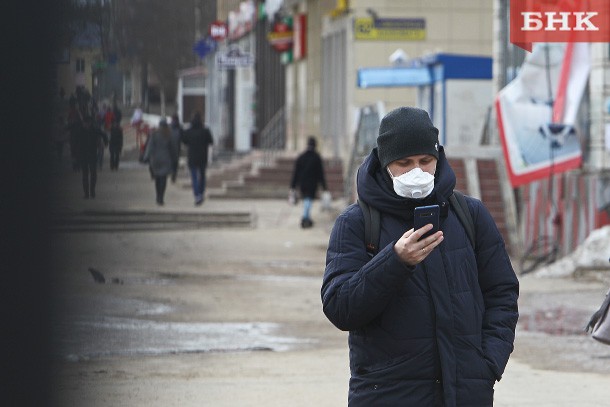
point(404, 132)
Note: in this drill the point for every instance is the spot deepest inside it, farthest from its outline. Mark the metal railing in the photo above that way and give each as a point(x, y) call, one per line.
point(273, 140)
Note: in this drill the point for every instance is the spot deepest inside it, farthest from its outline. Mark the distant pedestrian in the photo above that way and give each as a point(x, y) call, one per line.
point(118, 114)
point(74, 126)
point(60, 135)
point(108, 119)
point(137, 120)
point(161, 155)
point(115, 145)
point(308, 174)
point(198, 138)
point(88, 143)
point(176, 128)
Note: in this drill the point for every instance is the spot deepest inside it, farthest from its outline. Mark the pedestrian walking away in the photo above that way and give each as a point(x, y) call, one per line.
point(161, 154)
point(307, 175)
point(137, 119)
point(91, 137)
point(74, 126)
point(431, 320)
point(115, 146)
point(198, 139)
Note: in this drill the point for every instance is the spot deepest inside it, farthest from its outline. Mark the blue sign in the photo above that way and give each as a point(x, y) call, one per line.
point(204, 46)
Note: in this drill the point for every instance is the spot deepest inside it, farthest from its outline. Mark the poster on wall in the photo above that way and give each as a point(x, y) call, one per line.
point(537, 111)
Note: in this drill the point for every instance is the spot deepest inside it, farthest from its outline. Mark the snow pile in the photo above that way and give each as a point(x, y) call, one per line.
point(592, 253)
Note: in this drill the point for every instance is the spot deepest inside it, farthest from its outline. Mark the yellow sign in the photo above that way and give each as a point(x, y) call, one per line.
point(390, 29)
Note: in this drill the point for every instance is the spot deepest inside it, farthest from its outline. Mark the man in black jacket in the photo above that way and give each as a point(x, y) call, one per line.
point(90, 139)
point(197, 138)
point(308, 174)
point(431, 320)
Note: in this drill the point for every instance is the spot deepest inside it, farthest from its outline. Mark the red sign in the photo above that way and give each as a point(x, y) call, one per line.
point(558, 21)
point(281, 37)
point(299, 50)
point(218, 30)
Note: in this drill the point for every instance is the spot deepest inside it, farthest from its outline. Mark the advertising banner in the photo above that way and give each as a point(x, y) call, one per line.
point(558, 21)
point(537, 112)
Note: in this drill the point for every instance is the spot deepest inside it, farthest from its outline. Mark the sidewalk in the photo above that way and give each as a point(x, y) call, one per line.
point(266, 274)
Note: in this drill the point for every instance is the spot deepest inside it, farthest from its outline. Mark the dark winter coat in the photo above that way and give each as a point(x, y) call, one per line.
point(116, 139)
point(197, 139)
point(160, 153)
point(90, 139)
point(308, 173)
point(449, 321)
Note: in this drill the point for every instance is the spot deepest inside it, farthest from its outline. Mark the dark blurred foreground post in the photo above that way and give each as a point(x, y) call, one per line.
point(27, 76)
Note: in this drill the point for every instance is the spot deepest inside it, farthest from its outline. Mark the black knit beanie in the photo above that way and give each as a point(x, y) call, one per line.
point(404, 132)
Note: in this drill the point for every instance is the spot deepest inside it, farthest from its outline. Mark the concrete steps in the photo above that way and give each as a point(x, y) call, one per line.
point(489, 184)
point(247, 180)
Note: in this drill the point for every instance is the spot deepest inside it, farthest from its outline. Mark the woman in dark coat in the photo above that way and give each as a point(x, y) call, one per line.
point(431, 322)
point(161, 154)
point(307, 175)
point(116, 144)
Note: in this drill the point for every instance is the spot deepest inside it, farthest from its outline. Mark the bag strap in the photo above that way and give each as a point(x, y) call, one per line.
point(372, 227)
point(372, 222)
point(595, 318)
point(458, 202)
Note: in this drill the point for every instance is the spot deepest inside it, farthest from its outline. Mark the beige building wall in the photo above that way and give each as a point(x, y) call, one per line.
point(68, 78)
point(304, 79)
point(452, 26)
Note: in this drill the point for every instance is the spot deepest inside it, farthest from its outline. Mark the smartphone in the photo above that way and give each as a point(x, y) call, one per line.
point(424, 215)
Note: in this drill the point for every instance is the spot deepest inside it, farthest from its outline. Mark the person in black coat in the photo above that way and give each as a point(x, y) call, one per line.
point(308, 174)
point(116, 144)
point(197, 138)
point(431, 320)
point(90, 139)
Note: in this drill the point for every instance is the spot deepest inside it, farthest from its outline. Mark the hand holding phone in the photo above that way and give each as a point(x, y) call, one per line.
point(424, 215)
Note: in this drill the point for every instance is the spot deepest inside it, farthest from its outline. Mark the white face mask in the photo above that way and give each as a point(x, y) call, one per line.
point(413, 184)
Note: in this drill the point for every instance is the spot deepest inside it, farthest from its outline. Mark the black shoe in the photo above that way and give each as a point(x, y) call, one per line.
point(306, 223)
point(92, 194)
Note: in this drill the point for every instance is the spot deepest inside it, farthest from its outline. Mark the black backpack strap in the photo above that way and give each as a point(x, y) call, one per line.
point(372, 227)
point(458, 202)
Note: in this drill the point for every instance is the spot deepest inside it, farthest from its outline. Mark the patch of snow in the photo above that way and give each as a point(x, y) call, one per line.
point(593, 252)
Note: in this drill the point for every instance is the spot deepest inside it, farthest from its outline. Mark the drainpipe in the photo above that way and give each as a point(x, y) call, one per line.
point(500, 51)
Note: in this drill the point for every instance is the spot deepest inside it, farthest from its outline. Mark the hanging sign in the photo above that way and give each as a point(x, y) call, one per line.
point(218, 30)
point(234, 58)
point(281, 36)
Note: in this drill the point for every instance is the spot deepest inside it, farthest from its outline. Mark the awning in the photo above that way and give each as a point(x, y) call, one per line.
point(390, 77)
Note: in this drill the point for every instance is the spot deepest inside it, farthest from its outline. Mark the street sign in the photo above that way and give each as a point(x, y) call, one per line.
point(204, 46)
point(218, 30)
point(234, 58)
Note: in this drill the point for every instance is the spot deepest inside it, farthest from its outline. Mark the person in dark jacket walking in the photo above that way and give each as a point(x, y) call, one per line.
point(116, 144)
point(307, 175)
point(197, 138)
point(431, 322)
point(161, 154)
point(89, 140)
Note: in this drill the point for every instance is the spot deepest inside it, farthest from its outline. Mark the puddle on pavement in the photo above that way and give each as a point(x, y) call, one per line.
point(111, 336)
point(557, 321)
